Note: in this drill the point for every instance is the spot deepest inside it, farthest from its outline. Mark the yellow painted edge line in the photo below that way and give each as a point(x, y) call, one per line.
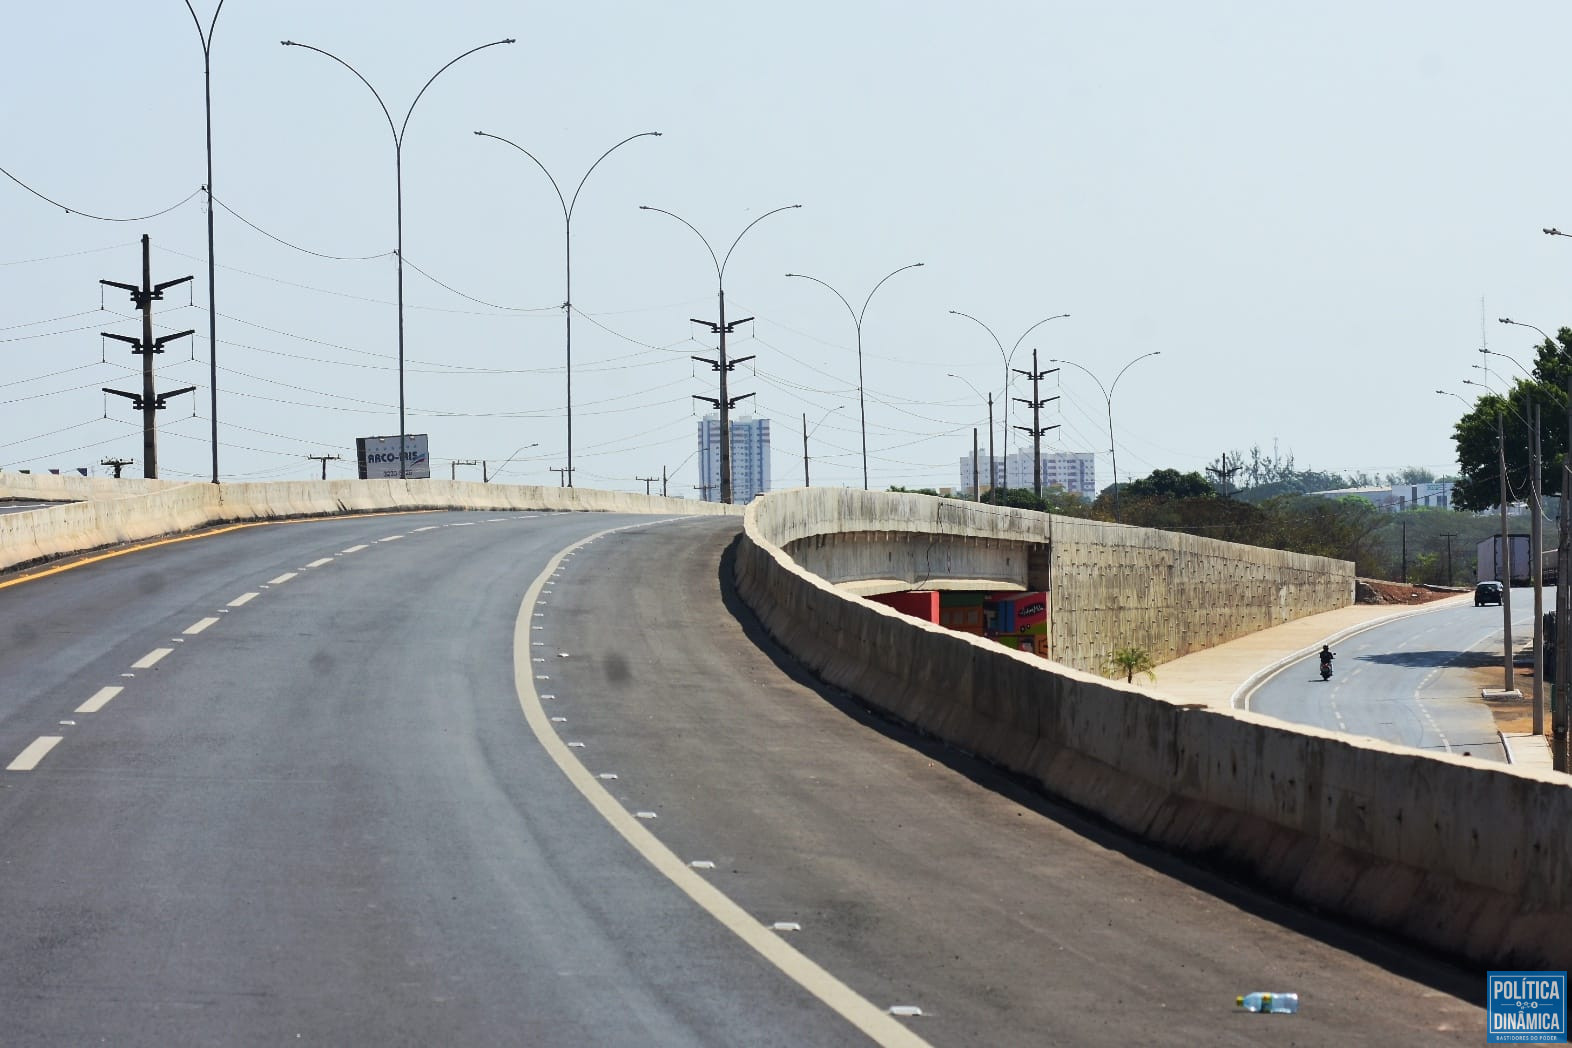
point(58, 568)
point(881, 1027)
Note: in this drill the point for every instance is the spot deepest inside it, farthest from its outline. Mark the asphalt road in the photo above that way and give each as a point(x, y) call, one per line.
point(1412, 681)
point(324, 817)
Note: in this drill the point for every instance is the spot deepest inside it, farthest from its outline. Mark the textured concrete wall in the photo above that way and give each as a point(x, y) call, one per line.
point(1110, 586)
point(1463, 855)
point(108, 514)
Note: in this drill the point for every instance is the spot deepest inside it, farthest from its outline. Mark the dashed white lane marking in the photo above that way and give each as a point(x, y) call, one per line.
point(319, 562)
point(429, 527)
point(243, 599)
point(391, 538)
point(28, 759)
point(493, 520)
point(149, 660)
point(100, 699)
point(863, 1014)
point(355, 549)
point(282, 578)
point(200, 625)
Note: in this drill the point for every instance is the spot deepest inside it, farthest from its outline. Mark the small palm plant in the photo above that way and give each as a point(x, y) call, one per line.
point(1130, 661)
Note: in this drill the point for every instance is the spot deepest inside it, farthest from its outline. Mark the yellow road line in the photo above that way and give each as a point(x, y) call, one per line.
point(77, 563)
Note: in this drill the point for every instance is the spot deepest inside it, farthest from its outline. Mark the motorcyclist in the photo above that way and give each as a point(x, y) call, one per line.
point(1326, 655)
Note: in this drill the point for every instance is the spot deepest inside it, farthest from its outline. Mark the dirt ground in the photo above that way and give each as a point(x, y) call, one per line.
point(1375, 591)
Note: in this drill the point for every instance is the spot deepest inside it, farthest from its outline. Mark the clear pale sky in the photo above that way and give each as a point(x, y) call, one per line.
point(1302, 206)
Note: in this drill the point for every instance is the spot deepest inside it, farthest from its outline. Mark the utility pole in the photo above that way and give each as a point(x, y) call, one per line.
point(723, 403)
point(993, 465)
point(1036, 429)
point(117, 465)
point(647, 482)
point(976, 487)
point(1558, 695)
point(805, 481)
point(562, 474)
point(1449, 538)
point(453, 467)
point(1506, 554)
point(324, 459)
point(1403, 571)
point(663, 482)
point(1225, 475)
point(1536, 537)
point(148, 402)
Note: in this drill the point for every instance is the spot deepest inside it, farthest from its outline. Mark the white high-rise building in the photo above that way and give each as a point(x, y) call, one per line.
point(750, 458)
point(1074, 471)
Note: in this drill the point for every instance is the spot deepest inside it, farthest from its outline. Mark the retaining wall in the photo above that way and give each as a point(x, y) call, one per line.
point(1462, 855)
point(108, 514)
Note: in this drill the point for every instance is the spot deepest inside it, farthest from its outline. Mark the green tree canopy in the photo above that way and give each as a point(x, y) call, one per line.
point(1478, 456)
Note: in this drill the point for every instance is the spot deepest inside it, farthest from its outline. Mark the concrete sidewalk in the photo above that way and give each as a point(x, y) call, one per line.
point(1217, 675)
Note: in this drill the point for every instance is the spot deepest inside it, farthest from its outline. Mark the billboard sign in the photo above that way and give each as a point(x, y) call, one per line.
point(379, 457)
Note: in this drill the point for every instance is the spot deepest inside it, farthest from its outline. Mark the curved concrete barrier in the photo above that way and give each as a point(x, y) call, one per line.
point(1459, 854)
point(102, 513)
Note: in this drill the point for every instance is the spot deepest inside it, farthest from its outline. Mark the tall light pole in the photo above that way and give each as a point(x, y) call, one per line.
point(1007, 358)
point(857, 322)
point(993, 467)
point(398, 178)
point(1108, 393)
point(806, 433)
point(567, 254)
point(724, 402)
point(206, 37)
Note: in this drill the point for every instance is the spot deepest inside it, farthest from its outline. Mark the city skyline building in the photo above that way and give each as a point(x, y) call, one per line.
point(750, 458)
point(1074, 471)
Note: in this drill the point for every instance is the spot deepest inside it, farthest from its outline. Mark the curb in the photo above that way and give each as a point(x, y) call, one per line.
point(1240, 699)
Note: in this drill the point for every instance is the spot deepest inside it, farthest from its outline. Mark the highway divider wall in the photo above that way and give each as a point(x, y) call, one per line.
point(106, 515)
point(1467, 857)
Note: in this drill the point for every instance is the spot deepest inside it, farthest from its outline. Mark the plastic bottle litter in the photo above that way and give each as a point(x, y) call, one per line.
point(1269, 1002)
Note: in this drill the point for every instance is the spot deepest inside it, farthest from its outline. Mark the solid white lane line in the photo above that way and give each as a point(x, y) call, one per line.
point(28, 759)
point(200, 625)
point(151, 658)
point(867, 1017)
point(244, 598)
point(282, 578)
point(100, 699)
point(355, 549)
point(319, 562)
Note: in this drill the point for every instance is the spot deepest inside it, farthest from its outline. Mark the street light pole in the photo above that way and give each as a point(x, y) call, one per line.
point(206, 37)
point(1007, 357)
point(806, 433)
point(857, 322)
point(567, 240)
point(993, 467)
point(1113, 455)
point(724, 402)
point(398, 178)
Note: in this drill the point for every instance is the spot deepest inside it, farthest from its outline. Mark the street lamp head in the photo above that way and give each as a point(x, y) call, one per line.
point(1503, 320)
point(1553, 232)
point(291, 43)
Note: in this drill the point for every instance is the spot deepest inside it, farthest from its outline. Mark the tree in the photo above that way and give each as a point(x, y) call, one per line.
point(1169, 484)
point(1130, 661)
point(1478, 483)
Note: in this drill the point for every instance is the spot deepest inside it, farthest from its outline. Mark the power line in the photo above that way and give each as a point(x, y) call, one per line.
point(100, 218)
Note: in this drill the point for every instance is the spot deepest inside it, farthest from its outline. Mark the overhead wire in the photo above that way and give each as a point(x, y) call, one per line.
point(100, 218)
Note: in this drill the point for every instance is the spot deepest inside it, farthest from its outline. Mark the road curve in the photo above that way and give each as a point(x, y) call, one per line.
point(321, 816)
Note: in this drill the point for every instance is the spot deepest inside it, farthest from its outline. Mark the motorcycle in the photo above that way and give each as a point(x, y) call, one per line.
point(1326, 668)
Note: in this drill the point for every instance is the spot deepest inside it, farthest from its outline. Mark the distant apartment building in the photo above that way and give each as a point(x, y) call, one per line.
point(1074, 471)
point(750, 458)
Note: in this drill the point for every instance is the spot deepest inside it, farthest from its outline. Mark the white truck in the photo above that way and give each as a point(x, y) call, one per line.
point(1492, 560)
